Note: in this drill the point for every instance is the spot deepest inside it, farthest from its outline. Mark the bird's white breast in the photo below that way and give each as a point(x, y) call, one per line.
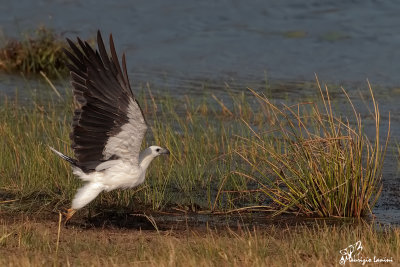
point(121, 175)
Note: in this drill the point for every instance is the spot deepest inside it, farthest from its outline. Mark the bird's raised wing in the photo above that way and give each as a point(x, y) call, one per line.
point(108, 123)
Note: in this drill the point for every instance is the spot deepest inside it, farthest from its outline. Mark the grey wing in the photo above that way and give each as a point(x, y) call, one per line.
point(126, 144)
point(108, 123)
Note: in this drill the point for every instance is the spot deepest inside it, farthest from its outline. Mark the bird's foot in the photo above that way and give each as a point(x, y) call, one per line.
point(68, 215)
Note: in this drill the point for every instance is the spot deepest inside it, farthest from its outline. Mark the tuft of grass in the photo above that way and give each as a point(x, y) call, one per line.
point(316, 162)
point(40, 51)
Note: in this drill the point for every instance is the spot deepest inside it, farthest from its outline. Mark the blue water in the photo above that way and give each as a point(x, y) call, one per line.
point(178, 41)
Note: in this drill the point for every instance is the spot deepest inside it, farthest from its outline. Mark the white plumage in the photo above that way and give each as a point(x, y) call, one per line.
point(108, 125)
point(112, 174)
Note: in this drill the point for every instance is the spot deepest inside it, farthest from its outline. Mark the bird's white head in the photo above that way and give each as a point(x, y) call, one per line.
point(157, 151)
point(147, 155)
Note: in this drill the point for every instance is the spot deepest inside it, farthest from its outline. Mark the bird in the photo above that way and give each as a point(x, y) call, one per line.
point(108, 124)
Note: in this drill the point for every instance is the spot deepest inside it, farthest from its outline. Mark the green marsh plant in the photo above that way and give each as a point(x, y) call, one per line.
point(40, 51)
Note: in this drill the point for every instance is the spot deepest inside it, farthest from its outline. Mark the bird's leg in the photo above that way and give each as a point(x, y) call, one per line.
point(68, 215)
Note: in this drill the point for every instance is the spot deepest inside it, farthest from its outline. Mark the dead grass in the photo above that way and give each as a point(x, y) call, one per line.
point(31, 241)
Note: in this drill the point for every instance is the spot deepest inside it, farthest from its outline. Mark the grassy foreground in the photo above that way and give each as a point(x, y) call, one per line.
point(208, 139)
point(34, 242)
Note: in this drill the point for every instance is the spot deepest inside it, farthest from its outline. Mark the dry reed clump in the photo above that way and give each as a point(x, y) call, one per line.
point(316, 162)
point(41, 51)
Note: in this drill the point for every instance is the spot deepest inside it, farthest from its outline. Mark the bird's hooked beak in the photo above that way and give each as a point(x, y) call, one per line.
point(165, 151)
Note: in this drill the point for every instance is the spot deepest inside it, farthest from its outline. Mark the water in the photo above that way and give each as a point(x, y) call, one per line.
point(185, 46)
point(179, 40)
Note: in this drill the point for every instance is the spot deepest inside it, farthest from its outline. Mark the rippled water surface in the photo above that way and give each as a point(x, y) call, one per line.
point(178, 40)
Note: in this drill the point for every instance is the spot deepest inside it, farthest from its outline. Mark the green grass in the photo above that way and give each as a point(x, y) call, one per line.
point(38, 52)
point(28, 171)
point(218, 162)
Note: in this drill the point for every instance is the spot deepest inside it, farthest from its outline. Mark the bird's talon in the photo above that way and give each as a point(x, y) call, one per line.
point(68, 215)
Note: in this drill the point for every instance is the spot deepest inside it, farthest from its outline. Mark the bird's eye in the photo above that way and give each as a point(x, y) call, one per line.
point(158, 150)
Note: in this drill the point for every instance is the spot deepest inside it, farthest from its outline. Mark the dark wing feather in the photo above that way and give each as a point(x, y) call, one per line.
point(108, 122)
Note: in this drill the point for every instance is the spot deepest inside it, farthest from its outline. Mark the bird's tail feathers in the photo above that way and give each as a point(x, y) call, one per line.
point(61, 155)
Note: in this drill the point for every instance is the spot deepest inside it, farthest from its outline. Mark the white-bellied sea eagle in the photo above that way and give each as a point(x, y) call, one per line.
point(108, 125)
